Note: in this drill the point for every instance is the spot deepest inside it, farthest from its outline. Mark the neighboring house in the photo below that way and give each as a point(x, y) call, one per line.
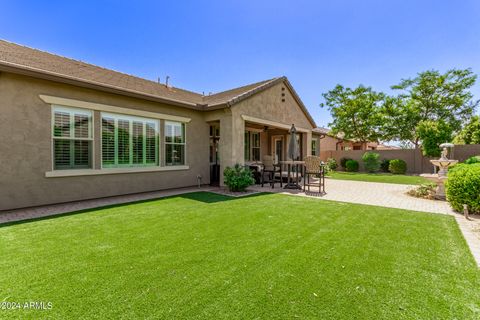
point(327, 141)
point(387, 147)
point(73, 131)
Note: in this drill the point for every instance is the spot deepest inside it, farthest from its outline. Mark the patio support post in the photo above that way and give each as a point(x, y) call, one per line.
point(231, 142)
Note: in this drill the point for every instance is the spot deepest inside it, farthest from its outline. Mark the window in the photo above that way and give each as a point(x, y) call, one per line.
point(72, 138)
point(314, 147)
point(252, 146)
point(246, 146)
point(255, 146)
point(129, 141)
point(174, 143)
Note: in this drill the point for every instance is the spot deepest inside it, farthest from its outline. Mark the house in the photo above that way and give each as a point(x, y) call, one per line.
point(327, 141)
point(73, 131)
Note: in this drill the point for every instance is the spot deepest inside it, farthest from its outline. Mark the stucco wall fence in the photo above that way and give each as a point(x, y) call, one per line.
point(416, 162)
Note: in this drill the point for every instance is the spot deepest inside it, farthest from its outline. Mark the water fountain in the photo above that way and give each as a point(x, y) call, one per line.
point(439, 178)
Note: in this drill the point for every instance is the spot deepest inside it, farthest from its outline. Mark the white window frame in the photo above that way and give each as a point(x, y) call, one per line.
point(116, 117)
point(91, 133)
point(165, 143)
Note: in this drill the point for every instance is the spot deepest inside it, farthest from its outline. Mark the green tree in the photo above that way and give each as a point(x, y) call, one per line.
point(432, 134)
point(470, 134)
point(356, 112)
point(431, 96)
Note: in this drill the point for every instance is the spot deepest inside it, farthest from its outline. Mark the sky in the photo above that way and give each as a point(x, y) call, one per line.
point(211, 46)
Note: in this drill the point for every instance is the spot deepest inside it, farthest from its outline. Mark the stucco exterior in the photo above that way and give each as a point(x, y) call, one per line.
point(26, 147)
point(26, 144)
point(275, 108)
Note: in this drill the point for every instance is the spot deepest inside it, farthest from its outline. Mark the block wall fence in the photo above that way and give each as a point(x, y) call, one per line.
point(416, 162)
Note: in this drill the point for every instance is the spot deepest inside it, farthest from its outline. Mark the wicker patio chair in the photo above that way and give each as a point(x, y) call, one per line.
point(272, 169)
point(314, 167)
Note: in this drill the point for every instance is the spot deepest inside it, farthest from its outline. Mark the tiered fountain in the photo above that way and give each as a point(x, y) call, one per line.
point(439, 178)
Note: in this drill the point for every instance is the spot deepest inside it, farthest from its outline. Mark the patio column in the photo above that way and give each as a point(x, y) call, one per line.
point(231, 144)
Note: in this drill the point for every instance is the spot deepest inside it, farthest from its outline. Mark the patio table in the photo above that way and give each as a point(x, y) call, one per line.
point(293, 183)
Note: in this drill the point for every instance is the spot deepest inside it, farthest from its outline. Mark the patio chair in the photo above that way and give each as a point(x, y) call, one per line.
point(272, 169)
point(315, 167)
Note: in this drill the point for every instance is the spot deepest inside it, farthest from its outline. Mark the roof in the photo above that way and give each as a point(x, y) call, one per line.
point(25, 60)
point(382, 146)
point(321, 130)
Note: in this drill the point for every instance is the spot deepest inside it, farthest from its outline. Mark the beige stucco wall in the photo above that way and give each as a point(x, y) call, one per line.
point(266, 105)
point(25, 147)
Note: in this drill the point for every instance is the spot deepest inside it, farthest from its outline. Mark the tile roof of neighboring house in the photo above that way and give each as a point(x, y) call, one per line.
point(321, 130)
point(29, 61)
point(382, 146)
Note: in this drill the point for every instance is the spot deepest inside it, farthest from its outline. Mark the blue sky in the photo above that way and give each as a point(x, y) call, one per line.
point(217, 45)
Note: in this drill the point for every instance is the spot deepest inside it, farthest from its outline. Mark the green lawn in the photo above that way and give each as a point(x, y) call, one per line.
point(269, 256)
point(377, 177)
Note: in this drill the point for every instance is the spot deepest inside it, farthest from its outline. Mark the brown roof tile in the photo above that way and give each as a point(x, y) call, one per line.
point(37, 62)
point(20, 56)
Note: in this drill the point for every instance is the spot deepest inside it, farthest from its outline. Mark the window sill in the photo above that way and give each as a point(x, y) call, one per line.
point(93, 172)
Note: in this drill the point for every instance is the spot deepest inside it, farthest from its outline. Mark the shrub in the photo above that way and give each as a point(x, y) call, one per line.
point(472, 160)
point(384, 165)
point(343, 162)
point(351, 165)
point(331, 164)
point(238, 178)
point(426, 191)
point(463, 187)
point(371, 161)
point(397, 166)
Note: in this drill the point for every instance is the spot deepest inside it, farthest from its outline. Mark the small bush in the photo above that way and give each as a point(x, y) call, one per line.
point(371, 161)
point(463, 187)
point(343, 162)
point(238, 178)
point(472, 160)
point(397, 166)
point(351, 165)
point(426, 191)
point(331, 164)
point(384, 165)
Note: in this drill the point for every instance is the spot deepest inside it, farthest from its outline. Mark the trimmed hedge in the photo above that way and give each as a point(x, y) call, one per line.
point(463, 187)
point(397, 166)
point(343, 162)
point(384, 165)
point(472, 160)
point(351, 165)
point(371, 161)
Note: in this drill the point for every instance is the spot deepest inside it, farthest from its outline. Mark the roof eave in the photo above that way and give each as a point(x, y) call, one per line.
point(52, 76)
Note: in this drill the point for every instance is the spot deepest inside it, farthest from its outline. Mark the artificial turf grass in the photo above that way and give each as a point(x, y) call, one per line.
point(204, 255)
point(378, 177)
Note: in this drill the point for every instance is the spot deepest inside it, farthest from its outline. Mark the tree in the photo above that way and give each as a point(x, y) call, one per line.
point(470, 134)
point(432, 134)
point(356, 112)
point(430, 96)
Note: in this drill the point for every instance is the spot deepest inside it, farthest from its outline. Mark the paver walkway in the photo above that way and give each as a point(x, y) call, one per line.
point(370, 193)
